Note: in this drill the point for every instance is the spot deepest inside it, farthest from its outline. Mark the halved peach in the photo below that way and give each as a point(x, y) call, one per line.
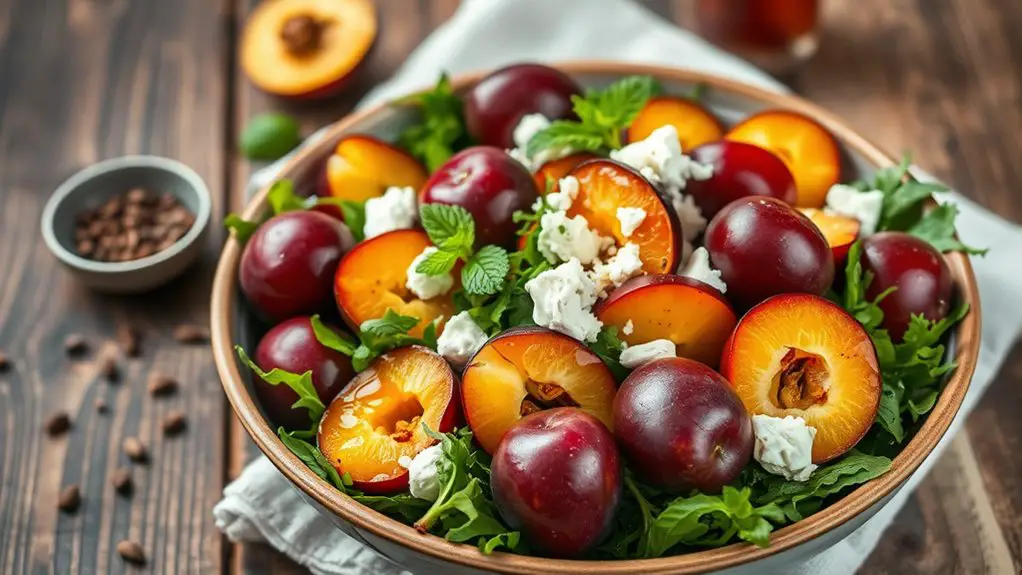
point(693, 315)
point(806, 147)
point(606, 185)
point(801, 355)
point(695, 124)
point(306, 48)
point(363, 167)
point(371, 279)
point(839, 231)
point(529, 369)
point(373, 428)
point(554, 170)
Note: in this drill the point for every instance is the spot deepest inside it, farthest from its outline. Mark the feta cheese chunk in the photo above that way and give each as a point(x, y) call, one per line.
point(639, 355)
point(422, 474)
point(630, 219)
point(562, 238)
point(529, 126)
point(394, 210)
point(689, 214)
point(426, 286)
point(563, 299)
point(624, 264)
point(784, 446)
point(460, 339)
point(567, 191)
point(864, 206)
point(659, 159)
point(699, 268)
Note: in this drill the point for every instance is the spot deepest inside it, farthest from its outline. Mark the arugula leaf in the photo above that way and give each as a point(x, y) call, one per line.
point(512, 541)
point(603, 115)
point(889, 413)
point(300, 384)
point(905, 206)
point(938, 228)
point(281, 197)
point(400, 506)
point(243, 229)
point(710, 521)
point(340, 342)
point(609, 347)
point(442, 130)
point(485, 271)
point(798, 499)
point(313, 459)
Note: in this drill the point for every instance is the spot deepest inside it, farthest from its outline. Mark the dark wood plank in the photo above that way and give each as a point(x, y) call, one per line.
point(79, 82)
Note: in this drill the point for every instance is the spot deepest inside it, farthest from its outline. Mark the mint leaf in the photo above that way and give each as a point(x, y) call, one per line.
point(313, 459)
point(390, 325)
point(485, 271)
point(619, 103)
point(938, 228)
point(269, 136)
point(281, 197)
point(437, 263)
point(334, 340)
point(300, 384)
point(389, 332)
point(450, 228)
point(441, 130)
point(243, 229)
point(567, 134)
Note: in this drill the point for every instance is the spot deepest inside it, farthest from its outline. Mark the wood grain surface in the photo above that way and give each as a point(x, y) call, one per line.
point(84, 80)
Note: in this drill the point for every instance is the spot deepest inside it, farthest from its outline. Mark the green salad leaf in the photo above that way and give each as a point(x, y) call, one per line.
point(314, 459)
point(376, 337)
point(452, 231)
point(301, 384)
point(269, 136)
point(609, 347)
point(441, 131)
point(242, 228)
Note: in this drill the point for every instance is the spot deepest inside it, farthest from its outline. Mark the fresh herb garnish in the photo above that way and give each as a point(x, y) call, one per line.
point(442, 130)
point(376, 337)
point(452, 231)
point(301, 384)
point(314, 459)
point(603, 115)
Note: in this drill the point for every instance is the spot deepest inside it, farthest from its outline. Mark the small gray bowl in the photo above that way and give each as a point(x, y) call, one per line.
point(97, 183)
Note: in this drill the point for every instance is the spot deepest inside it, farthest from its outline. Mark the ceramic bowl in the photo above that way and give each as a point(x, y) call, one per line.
point(231, 323)
point(99, 182)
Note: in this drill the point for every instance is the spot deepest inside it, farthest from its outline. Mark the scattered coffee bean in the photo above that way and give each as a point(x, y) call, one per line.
point(70, 499)
point(122, 482)
point(101, 406)
point(174, 423)
point(135, 450)
point(133, 225)
point(75, 344)
point(108, 367)
point(57, 424)
point(161, 384)
point(131, 552)
point(128, 339)
point(191, 333)
point(4, 362)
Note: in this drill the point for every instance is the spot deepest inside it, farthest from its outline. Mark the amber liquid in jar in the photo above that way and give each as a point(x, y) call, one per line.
point(774, 34)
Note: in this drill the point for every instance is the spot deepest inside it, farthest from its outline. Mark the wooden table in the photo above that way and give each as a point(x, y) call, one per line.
point(84, 80)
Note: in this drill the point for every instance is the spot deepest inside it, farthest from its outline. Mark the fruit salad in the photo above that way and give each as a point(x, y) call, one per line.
point(597, 323)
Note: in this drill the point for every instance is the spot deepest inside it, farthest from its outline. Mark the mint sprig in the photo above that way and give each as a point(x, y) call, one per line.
point(602, 116)
point(441, 131)
point(452, 231)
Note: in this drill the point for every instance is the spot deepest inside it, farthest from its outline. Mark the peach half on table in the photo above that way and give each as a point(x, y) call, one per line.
point(686, 311)
point(529, 369)
point(695, 124)
point(307, 49)
point(801, 355)
point(363, 167)
point(374, 427)
point(806, 147)
point(606, 185)
point(371, 279)
point(839, 231)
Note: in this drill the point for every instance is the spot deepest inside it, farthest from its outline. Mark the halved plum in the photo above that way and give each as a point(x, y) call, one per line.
point(554, 170)
point(839, 231)
point(695, 124)
point(372, 276)
point(693, 315)
point(605, 186)
point(373, 428)
point(806, 147)
point(528, 369)
point(363, 167)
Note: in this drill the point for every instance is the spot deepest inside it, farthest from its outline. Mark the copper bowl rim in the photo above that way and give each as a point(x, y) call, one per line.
point(936, 424)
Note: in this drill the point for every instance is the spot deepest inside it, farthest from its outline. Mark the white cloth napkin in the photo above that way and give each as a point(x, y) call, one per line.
point(261, 506)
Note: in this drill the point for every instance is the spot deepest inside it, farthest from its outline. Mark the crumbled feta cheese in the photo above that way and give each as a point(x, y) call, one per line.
point(528, 126)
point(639, 355)
point(628, 328)
point(689, 214)
point(563, 298)
point(426, 286)
point(630, 219)
point(460, 339)
point(624, 264)
point(404, 461)
point(864, 206)
point(784, 446)
point(562, 238)
point(394, 210)
point(699, 268)
point(422, 474)
point(567, 191)
point(659, 159)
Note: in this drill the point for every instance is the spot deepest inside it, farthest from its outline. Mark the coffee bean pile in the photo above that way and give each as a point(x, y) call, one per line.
point(131, 226)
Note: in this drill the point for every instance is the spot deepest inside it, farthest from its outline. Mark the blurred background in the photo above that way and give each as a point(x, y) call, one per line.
point(86, 80)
